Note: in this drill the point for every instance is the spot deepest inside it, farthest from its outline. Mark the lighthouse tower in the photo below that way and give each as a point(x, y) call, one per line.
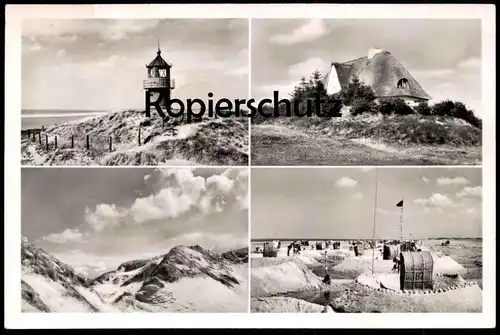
point(159, 80)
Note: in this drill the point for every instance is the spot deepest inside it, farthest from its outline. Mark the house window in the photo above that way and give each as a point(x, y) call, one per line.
point(403, 83)
point(163, 73)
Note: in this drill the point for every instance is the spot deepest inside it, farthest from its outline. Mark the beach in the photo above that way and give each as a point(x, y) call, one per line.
point(299, 277)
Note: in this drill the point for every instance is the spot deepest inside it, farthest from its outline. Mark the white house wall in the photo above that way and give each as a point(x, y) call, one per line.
point(333, 83)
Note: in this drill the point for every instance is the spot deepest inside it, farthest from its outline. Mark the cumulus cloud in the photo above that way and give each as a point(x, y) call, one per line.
point(452, 181)
point(435, 200)
point(179, 192)
point(176, 192)
point(309, 31)
point(93, 264)
point(425, 179)
point(346, 182)
point(367, 168)
point(68, 235)
point(476, 191)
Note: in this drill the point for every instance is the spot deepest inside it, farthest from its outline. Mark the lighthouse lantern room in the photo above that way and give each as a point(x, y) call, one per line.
point(159, 80)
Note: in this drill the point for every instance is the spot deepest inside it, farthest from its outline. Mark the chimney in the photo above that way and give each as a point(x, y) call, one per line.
point(374, 51)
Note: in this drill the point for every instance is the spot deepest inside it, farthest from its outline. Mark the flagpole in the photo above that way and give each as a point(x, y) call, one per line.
point(374, 220)
point(401, 221)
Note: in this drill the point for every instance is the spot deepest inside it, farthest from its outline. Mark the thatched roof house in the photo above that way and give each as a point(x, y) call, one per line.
point(380, 70)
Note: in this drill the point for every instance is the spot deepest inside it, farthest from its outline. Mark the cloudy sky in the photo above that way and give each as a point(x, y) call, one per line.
point(339, 202)
point(100, 64)
point(444, 56)
point(95, 219)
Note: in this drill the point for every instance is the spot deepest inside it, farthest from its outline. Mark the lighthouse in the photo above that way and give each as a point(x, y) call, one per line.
point(159, 82)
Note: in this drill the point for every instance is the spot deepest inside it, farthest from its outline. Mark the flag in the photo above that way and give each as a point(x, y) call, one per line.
point(400, 204)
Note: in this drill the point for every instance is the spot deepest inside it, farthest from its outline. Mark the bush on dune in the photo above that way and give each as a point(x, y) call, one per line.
point(404, 129)
point(423, 109)
point(394, 106)
point(221, 142)
point(388, 120)
point(302, 101)
point(457, 110)
point(356, 90)
point(363, 106)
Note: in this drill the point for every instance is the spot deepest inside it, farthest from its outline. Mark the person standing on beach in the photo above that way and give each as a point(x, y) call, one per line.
point(289, 248)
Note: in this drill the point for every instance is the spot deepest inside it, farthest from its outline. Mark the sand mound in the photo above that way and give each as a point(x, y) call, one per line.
point(353, 267)
point(286, 305)
point(204, 142)
point(314, 256)
point(447, 264)
point(391, 281)
point(395, 129)
point(282, 277)
point(362, 299)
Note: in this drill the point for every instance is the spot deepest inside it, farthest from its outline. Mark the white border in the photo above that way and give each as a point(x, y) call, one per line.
point(15, 319)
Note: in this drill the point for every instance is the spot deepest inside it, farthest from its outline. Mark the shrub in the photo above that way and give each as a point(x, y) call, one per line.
point(363, 106)
point(443, 108)
point(395, 106)
point(311, 90)
point(356, 90)
point(423, 108)
point(456, 109)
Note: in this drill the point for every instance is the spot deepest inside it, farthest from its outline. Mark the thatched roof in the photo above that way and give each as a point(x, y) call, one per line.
point(382, 73)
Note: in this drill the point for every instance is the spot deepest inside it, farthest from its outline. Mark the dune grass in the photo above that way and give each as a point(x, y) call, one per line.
point(366, 140)
point(127, 138)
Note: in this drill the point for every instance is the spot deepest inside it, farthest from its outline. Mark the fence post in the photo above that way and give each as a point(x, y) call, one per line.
point(139, 137)
point(47, 141)
point(72, 141)
point(55, 142)
point(29, 135)
point(34, 138)
point(110, 143)
point(88, 142)
point(40, 138)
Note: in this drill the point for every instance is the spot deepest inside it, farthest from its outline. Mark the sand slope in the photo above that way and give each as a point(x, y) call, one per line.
point(360, 299)
point(175, 142)
point(286, 305)
point(270, 276)
point(186, 279)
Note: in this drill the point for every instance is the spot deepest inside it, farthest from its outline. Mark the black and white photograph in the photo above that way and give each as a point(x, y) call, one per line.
point(178, 162)
point(98, 240)
point(397, 91)
point(366, 240)
point(85, 81)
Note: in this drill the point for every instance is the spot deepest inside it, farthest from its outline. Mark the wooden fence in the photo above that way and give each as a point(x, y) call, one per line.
point(43, 140)
point(40, 137)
